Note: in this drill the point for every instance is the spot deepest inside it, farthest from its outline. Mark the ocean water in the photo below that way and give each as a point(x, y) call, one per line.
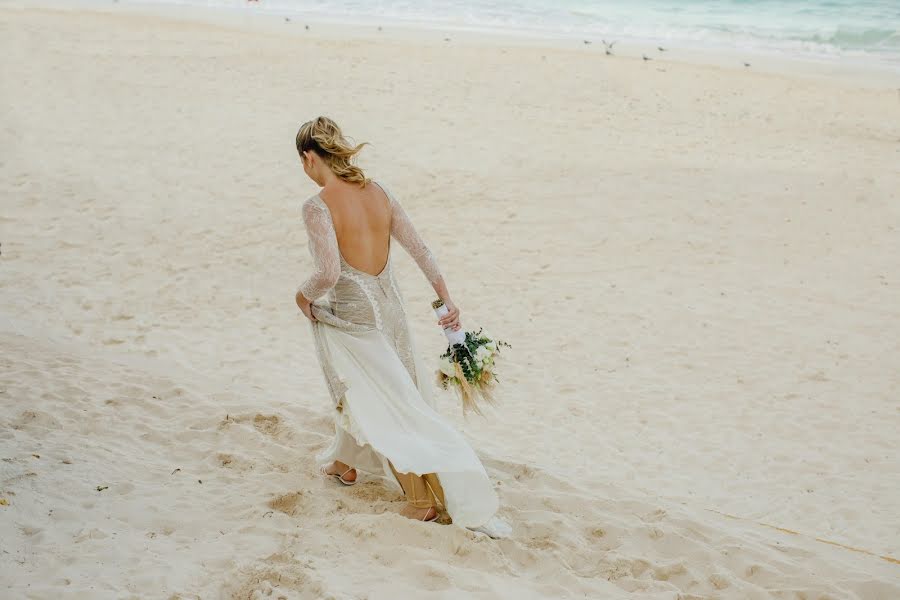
point(864, 29)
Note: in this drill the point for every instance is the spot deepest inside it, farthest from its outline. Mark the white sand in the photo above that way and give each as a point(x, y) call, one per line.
point(697, 267)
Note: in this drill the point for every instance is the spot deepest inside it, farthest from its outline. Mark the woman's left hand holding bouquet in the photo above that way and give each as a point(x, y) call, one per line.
point(451, 319)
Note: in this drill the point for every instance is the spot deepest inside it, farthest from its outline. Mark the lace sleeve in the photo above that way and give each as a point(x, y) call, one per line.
point(323, 247)
point(405, 233)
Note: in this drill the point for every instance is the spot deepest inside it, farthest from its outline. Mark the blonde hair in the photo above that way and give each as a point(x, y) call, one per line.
point(323, 136)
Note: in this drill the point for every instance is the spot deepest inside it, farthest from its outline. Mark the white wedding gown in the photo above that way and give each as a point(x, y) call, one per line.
point(380, 389)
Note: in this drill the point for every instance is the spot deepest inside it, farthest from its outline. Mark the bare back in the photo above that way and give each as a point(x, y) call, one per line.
point(362, 225)
point(354, 226)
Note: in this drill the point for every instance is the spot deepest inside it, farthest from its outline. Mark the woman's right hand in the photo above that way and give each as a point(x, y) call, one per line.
point(451, 319)
point(305, 305)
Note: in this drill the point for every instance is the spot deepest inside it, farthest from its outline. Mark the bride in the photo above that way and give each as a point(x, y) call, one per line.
point(386, 423)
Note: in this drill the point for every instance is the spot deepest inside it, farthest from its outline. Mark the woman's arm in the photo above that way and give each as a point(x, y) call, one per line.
point(406, 234)
point(323, 247)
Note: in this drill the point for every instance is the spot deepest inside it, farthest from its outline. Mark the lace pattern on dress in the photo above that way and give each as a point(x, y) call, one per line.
point(405, 233)
point(323, 246)
point(359, 301)
point(397, 292)
point(368, 292)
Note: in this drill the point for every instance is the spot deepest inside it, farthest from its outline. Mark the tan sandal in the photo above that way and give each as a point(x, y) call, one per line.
point(324, 470)
point(427, 510)
point(434, 518)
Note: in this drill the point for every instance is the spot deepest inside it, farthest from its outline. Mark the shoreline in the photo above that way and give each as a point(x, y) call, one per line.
point(845, 70)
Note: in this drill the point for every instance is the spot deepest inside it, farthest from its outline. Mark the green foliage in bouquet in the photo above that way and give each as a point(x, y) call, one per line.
point(469, 367)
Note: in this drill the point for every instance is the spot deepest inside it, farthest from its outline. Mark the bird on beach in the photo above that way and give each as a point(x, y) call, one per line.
point(307, 27)
point(645, 57)
point(746, 64)
point(609, 47)
point(287, 20)
point(586, 42)
point(660, 48)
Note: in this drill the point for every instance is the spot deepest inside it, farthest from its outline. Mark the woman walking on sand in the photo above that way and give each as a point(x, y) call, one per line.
point(384, 414)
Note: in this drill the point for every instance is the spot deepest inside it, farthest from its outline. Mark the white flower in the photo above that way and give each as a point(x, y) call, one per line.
point(483, 352)
point(446, 366)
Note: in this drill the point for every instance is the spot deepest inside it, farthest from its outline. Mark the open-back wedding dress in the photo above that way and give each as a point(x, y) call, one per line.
point(383, 403)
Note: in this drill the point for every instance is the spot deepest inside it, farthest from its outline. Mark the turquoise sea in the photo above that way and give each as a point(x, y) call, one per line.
point(867, 29)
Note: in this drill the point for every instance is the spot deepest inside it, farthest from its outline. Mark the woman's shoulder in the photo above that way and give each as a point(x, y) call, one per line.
point(384, 188)
point(314, 202)
point(314, 208)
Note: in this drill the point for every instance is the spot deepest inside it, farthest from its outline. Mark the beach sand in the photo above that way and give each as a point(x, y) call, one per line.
point(696, 266)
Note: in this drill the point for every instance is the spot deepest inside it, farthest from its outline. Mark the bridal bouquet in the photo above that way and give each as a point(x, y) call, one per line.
point(468, 363)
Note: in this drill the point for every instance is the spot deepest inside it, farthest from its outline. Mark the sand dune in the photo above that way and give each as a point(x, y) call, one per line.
point(696, 266)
